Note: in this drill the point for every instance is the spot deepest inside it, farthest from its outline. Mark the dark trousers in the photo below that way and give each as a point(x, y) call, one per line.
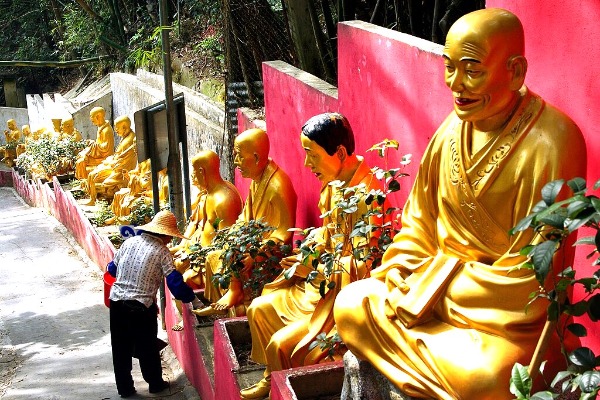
point(133, 331)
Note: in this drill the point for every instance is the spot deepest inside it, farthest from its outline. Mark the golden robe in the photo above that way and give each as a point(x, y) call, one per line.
point(94, 154)
point(111, 171)
point(273, 200)
point(289, 314)
point(462, 325)
point(139, 185)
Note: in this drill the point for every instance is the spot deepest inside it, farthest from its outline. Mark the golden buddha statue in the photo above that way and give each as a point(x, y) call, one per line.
point(68, 130)
point(27, 138)
point(139, 186)
point(13, 137)
point(109, 175)
point(445, 315)
point(271, 198)
point(218, 206)
point(97, 150)
point(290, 314)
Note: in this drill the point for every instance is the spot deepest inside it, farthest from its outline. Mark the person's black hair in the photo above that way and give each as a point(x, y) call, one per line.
point(330, 130)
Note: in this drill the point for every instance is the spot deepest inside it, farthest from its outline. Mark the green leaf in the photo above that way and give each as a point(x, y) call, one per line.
point(543, 396)
point(394, 186)
point(589, 382)
point(577, 185)
point(560, 376)
point(290, 272)
point(522, 224)
point(597, 185)
point(583, 357)
point(555, 220)
point(520, 381)
point(322, 286)
point(594, 307)
point(595, 202)
point(551, 190)
point(542, 259)
point(553, 311)
point(587, 240)
point(578, 309)
point(577, 329)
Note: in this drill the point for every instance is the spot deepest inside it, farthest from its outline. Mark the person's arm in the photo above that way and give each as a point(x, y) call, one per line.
point(178, 287)
point(111, 268)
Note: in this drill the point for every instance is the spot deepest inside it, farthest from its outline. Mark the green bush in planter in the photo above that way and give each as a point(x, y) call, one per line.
point(556, 221)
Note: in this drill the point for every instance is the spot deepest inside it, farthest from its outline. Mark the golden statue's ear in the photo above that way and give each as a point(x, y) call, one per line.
point(256, 157)
point(517, 65)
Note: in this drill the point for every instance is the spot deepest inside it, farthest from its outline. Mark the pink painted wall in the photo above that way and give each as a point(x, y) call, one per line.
point(562, 50)
point(290, 103)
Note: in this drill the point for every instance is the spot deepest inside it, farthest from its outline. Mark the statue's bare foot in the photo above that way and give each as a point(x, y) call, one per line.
point(90, 202)
point(231, 298)
point(207, 311)
point(178, 327)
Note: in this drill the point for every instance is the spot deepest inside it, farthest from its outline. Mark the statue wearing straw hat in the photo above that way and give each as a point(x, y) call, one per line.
point(139, 266)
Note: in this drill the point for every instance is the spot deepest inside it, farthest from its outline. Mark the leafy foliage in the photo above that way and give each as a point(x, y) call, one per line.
point(103, 212)
point(141, 213)
point(45, 157)
point(555, 221)
point(370, 235)
point(246, 254)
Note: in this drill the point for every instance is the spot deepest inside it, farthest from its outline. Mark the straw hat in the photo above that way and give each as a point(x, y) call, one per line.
point(164, 223)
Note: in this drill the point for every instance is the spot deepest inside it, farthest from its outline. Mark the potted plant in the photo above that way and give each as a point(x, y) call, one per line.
point(556, 222)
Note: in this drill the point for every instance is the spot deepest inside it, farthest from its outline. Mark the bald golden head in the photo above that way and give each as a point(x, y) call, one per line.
point(251, 152)
point(485, 66)
point(205, 168)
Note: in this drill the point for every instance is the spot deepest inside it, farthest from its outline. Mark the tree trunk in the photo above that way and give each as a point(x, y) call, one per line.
point(303, 37)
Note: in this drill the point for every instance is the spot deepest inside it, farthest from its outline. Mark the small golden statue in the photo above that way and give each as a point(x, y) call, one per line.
point(97, 150)
point(445, 315)
point(68, 130)
point(110, 175)
point(271, 199)
point(13, 137)
point(291, 313)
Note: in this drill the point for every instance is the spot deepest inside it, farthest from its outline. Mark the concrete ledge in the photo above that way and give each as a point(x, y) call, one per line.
point(230, 333)
point(363, 382)
point(311, 382)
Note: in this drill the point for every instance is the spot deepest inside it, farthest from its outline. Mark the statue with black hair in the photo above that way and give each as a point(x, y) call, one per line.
point(290, 313)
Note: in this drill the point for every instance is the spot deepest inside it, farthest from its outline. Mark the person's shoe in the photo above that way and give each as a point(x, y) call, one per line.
point(259, 390)
point(128, 393)
point(158, 388)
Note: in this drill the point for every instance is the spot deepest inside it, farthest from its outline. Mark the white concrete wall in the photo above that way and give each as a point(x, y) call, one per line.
point(204, 118)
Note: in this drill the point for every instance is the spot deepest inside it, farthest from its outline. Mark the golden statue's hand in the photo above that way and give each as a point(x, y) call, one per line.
point(397, 288)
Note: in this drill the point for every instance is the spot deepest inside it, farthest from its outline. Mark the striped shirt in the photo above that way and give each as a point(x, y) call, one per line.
point(142, 262)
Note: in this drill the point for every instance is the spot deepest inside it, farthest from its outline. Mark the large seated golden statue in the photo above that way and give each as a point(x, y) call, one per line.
point(290, 314)
point(271, 198)
point(110, 175)
point(97, 150)
point(217, 207)
point(444, 315)
point(13, 137)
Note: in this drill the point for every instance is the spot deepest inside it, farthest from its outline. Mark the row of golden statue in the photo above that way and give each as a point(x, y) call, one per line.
point(17, 140)
point(443, 316)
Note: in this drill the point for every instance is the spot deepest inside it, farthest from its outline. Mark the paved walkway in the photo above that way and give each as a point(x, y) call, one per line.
point(54, 330)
